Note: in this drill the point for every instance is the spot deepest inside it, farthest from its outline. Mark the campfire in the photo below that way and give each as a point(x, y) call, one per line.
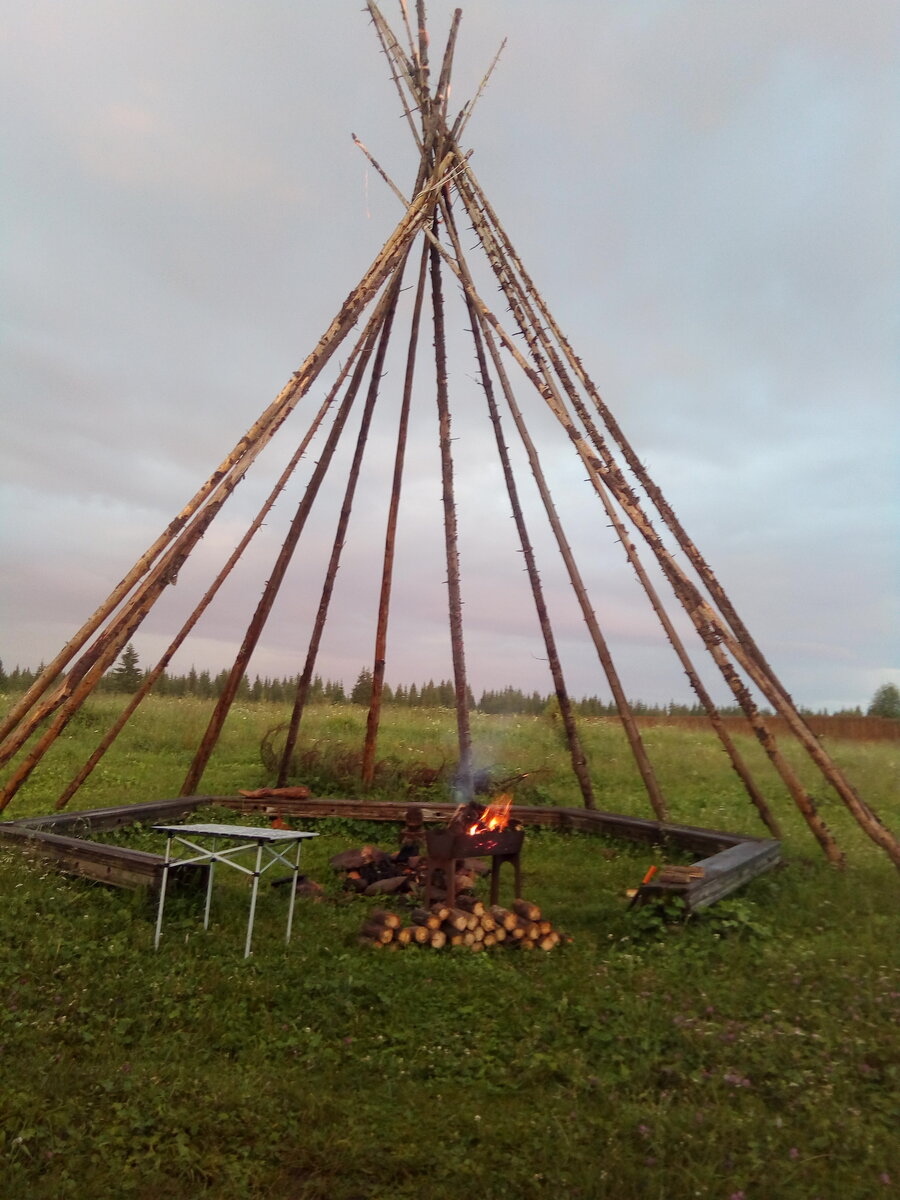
point(439, 886)
point(475, 832)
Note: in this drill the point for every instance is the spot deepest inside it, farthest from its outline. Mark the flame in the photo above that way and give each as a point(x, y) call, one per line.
point(494, 817)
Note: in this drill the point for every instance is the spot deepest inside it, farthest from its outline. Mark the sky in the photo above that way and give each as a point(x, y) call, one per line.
point(707, 196)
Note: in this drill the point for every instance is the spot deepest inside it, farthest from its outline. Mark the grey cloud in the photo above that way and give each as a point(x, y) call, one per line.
point(705, 194)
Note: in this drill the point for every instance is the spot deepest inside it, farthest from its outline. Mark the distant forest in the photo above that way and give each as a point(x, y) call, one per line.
point(128, 676)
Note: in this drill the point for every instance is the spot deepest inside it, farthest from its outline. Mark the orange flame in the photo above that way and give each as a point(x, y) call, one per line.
point(494, 817)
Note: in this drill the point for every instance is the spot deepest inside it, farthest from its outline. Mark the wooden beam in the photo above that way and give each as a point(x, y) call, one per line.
point(114, 865)
point(731, 858)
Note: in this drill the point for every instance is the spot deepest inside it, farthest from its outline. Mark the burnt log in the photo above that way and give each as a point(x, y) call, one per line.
point(389, 886)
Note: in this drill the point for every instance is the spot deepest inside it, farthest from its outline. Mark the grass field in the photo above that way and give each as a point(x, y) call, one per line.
point(750, 1052)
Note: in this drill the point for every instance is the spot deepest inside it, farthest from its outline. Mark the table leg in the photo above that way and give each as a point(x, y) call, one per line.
point(259, 850)
point(209, 886)
point(162, 893)
point(290, 920)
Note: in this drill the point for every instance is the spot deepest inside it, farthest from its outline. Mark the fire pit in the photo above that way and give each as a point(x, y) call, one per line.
point(474, 833)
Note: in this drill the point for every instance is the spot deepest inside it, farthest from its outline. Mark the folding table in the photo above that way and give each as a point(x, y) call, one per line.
point(242, 837)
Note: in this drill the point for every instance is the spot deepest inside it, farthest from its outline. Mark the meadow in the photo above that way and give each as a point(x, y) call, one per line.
point(750, 1052)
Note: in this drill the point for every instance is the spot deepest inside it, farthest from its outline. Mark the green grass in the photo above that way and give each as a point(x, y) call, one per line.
point(750, 1051)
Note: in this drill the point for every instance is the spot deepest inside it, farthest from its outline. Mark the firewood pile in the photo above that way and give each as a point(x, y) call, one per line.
point(471, 923)
point(371, 871)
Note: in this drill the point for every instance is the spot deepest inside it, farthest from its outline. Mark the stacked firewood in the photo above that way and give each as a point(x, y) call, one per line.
point(470, 923)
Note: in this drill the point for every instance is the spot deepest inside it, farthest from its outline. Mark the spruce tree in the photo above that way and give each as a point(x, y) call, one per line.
point(885, 702)
point(127, 675)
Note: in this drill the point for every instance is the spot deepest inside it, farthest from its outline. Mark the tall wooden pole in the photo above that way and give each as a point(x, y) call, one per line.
point(282, 561)
point(387, 572)
point(481, 335)
point(461, 687)
point(384, 336)
point(27, 714)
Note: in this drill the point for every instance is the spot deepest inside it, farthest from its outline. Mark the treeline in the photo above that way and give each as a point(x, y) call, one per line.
point(128, 676)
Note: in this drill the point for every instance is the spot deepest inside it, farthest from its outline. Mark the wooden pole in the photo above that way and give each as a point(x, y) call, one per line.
point(529, 320)
point(27, 714)
point(642, 760)
point(464, 770)
point(600, 471)
point(384, 335)
point(481, 335)
point(737, 637)
point(276, 578)
point(387, 573)
point(235, 556)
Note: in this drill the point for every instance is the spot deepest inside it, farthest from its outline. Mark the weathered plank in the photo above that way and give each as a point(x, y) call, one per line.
point(687, 837)
point(98, 819)
point(114, 865)
point(723, 873)
point(733, 858)
point(731, 869)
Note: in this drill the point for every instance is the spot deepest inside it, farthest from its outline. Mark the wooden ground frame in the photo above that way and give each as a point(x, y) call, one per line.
point(728, 860)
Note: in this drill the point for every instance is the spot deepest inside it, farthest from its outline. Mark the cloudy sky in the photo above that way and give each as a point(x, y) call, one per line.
point(707, 194)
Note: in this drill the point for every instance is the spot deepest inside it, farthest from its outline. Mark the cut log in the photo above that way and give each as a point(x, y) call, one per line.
point(384, 916)
point(352, 860)
point(421, 916)
point(404, 935)
point(488, 924)
point(377, 933)
point(388, 887)
point(524, 908)
point(421, 934)
point(438, 939)
point(458, 920)
point(504, 918)
point(470, 904)
point(441, 911)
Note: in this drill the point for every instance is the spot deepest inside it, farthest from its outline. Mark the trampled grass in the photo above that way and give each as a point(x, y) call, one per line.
point(750, 1052)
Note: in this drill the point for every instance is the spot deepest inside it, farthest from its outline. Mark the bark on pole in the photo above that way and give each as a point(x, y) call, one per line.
point(527, 318)
point(464, 771)
point(631, 500)
point(387, 574)
point(26, 715)
point(642, 760)
point(154, 674)
point(481, 336)
point(730, 626)
point(384, 336)
point(600, 472)
point(285, 554)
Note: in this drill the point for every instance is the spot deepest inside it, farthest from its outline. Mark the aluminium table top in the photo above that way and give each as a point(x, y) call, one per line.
point(248, 833)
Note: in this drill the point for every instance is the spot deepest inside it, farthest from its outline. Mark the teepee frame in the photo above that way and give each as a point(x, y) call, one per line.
point(532, 348)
